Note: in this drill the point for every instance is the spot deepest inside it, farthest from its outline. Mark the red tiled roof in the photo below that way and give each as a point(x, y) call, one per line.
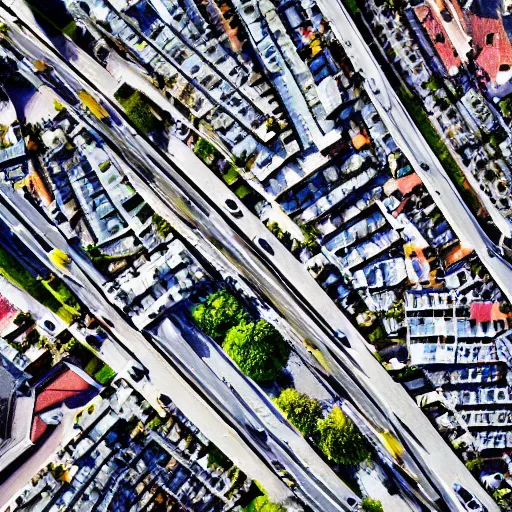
point(481, 311)
point(440, 40)
point(38, 429)
point(490, 56)
point(66, 385)
point(407, 183)
point(7, 312)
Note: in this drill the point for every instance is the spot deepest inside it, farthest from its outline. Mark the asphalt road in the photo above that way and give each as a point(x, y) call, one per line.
point(380, 400)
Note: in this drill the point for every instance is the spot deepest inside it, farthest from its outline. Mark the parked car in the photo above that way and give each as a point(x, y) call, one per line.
point(468, 500)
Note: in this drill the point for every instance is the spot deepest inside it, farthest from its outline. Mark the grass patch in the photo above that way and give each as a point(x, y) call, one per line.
point(93, 366)
point(99, 371)
point(71, 30)
point(52, 294)
point(137, 108)
point(105, 375)
point(416, 111)
point(69, 308)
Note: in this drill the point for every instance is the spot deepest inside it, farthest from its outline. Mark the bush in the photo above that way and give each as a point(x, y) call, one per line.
point(204, 150)
point(32, 338)
point(163, 228)
point(474, 464)
point(104, 166)
point(58, 106)
point(219, 313)
point(370, 505)
point(21, 318)
point(302, 411)
point(340, 440)
point(155, 423)
point(258, 349)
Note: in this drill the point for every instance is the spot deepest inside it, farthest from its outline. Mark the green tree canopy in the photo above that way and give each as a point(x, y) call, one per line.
point(204, 149)
point(370, 505)
point(258, 349)
point(262, 503)
point(219, 313)
point(302, 411)
point(340, 440)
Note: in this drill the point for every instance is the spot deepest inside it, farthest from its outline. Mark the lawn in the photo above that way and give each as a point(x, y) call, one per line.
point(105, 375)
point(137, 108)
point(17, 274)
point(99, 371)
point(69, 308)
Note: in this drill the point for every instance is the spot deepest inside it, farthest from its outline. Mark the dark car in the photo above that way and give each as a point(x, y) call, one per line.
point(468, 500)
point(265, 245)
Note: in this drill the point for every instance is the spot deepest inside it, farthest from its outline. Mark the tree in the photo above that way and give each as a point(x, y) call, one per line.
point(258, 349)
point(474, 464)
point(204, 150)
point(21, 318)
point(32, 338)
point(262, 503)
point(311, 233)
point(219, 313)
point(370, 505)
point(340, 440)
point(302, 411)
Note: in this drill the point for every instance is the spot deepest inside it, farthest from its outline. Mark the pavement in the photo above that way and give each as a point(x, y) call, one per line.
point(196, 199)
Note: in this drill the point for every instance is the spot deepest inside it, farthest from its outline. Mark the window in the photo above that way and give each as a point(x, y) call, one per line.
point(505, 67)
point(489, 38)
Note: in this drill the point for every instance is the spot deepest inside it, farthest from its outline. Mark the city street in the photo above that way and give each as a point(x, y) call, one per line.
point(198, 196)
